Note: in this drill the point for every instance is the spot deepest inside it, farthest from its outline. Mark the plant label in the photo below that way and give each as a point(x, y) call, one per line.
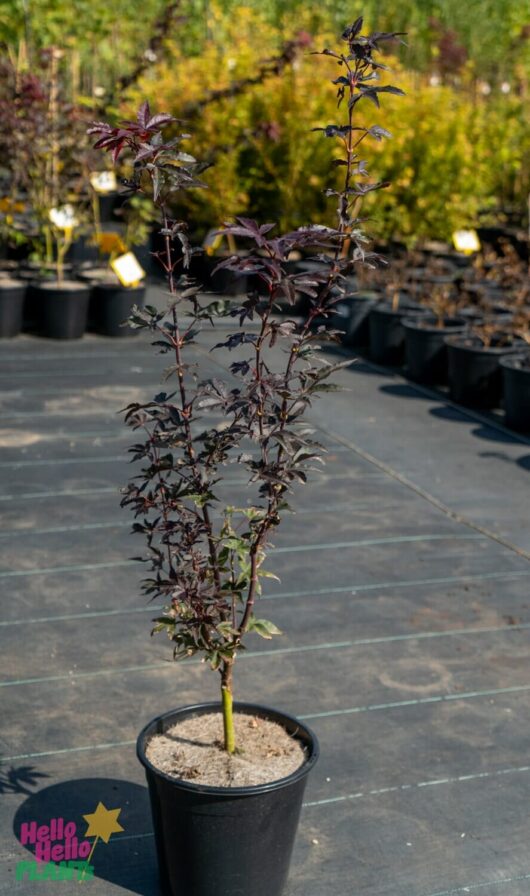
point(128, 269)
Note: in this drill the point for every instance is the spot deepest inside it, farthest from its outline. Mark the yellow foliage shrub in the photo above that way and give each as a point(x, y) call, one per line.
point(453, 152)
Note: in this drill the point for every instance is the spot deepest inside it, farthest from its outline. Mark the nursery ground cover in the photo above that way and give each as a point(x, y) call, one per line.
point(407, 566)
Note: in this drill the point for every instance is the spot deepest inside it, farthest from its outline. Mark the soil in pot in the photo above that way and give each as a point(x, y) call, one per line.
point(110, 306)
point(91, 273)
point(475, 378)
point(387, 334)
point(425, 348)
point(64, 308)
point(227, 841)
point(12, 294)
point(516, 376)
point(192, 750)
point(9, 269)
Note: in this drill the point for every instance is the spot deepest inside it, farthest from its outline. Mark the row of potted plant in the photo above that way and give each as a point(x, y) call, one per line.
point(463, 325)
point(57, 210)
point(65, 308)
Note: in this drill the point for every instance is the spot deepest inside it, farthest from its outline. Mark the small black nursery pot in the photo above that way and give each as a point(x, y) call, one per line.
point(231, 841)
point(110, 306)
point(516, 376)
point(63, 308)
point(425, 348)
point(352, 316)
point(387, 334)
point(475, 377)
point(12, 295)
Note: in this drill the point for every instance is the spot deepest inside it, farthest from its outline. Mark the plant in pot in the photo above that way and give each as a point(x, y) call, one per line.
point(64, 301)
point(474, 371)
point(49, 131)
point(425, 348)
point(22, 100)
point(112, 299)
point(12, 289)
point(516, 374)
point(363, 292)
point(387, 335)
point(214, 806)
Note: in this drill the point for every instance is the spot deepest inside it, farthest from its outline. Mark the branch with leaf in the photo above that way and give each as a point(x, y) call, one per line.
point(206, 559)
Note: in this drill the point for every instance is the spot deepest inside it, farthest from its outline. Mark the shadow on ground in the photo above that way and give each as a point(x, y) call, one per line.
point(404, 390)
point(20, 780)
point(128, 860)
point(524, 462)
point(493, 433)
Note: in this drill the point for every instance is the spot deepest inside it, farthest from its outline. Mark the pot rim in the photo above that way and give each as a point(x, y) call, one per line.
point(365, 296)
point(215, 706)
point(11, 284)
point(110, 285)
point(412, 323)
point(455, 342)
point(511, 361)
point(404, 309)
point(68, 287)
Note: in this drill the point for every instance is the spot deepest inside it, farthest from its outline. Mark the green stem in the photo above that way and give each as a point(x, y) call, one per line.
point(228, 717)
point(49, 245)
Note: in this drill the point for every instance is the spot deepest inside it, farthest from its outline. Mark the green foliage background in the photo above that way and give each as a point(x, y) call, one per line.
point(460, 144)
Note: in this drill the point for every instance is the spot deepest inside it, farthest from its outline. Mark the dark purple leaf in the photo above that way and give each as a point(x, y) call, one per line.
point(144, 114)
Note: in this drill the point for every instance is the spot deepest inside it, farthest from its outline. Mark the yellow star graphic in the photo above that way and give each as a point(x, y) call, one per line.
point(103, 823)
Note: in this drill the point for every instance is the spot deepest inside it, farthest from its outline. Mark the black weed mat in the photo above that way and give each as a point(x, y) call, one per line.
point(404, 599)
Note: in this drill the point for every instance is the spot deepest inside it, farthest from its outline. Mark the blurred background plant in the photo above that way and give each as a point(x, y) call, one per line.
point(42, 144)
point(461, 137)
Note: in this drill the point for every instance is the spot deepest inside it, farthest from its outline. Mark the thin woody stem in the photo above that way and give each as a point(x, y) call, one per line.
point(185, 408)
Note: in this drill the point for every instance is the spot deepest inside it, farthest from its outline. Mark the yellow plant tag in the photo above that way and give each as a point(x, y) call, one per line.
point(128, 269)
point(212, 241)
point(466, 241)
point(103, 181)
point(108, 242)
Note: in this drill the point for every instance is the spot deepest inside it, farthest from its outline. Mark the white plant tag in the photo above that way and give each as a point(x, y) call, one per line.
point(128, 269)
point(64, 217)
point(103, 181)
point(466, 241)
point(212, 241)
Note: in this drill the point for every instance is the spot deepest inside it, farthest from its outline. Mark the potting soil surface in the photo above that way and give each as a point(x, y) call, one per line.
point(404, 605)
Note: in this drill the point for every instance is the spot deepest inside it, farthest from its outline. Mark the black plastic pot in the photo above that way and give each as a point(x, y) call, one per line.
point(110, 306)
point(352, 315)
point(83, 249)
point(516, 376)
point(425, 348)
point(64, 308)
point(475, 377)
point(227, 841)
point(108, 203)
point(221, 282)
point(387, 334)
point(12, 294)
